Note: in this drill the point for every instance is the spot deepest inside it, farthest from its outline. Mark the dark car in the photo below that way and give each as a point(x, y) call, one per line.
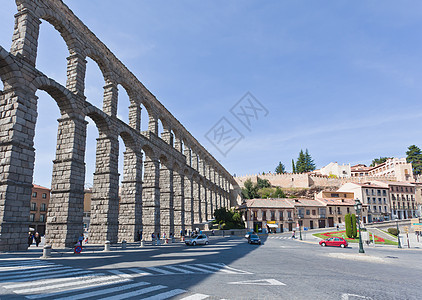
point(334, 241)
point(254, 239)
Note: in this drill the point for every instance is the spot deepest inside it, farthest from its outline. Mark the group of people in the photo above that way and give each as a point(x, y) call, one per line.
point(36, 237)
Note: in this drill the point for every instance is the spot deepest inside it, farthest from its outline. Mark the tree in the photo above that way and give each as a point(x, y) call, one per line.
point(265, 193)
point(354, 229)
point(262, 183)
point(309, 162)
point(300, 163)
point(222, 215)
point(280, 169)
point(348, 223)
point(378, 161)
point(293, 166)
point(304, 163)
point(414, 156)
point(278, 193)
point(250, 191)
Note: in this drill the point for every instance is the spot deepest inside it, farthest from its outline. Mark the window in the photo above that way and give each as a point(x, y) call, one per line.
point(379, 200)
point(330, 210)
point(313, 212)
point(33, 206)
point(308, 212)
point(44, 195)
point(255, 215)
point(384, 201)
point(393, 196)
point(368, 200)
point(43, 207)
point(385, 208)
point(289, 214)
point(334, 195)
point(272, 215)
point(379, 192)
point(374, 200)
point(42, 218)
point(34, 194)
point(411, 190)
point(281, 215)
point(367, 191)
point(379, 207)
point(374, 208)
point(406, 189)
point(31, 217)
point(348, 210)
point(384, 192)
point(264, 215)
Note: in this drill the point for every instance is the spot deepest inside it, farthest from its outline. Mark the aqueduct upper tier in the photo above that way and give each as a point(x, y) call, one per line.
point(174, 185)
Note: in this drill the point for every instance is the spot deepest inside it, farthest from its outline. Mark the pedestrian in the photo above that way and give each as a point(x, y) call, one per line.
point(337, 227)
point(212, 232)
point(30, 239)
point(140, 235)
point(37, 238)
point(186, 232)
point(181, 232)
point(81, 239)
point(293, 235)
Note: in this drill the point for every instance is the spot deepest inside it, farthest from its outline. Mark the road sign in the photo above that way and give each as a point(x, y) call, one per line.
point(406, 229)
point(78, 249)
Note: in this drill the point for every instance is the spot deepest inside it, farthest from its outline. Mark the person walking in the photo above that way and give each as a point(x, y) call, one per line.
point(30, 239)
point(37, 238)
point(293, 235)
point(81, 239)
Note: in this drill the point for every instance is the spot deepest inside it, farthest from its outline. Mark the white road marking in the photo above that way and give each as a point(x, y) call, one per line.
point(121, 274)
point(180, 270)
point(76, 289)
point(43, 270)
point(346, 297)
point(166, 295)
point(105, 291)
point(139, 272)
point(197, 269)
point(135, 293)
point(259, 282)
point(230, 268)
point(55, 274)
point(195, 297)
point(215, 268)
point(160, 270)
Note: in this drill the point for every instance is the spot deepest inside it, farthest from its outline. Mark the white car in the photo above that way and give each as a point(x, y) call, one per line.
point(248, 234)
point(200, 239)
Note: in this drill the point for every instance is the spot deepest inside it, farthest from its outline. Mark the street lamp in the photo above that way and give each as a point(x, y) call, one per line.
point(300, 227)
point(398, 233)
point(358, 208)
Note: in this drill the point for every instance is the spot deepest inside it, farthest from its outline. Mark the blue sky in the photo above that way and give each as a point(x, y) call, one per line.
point(340, 78)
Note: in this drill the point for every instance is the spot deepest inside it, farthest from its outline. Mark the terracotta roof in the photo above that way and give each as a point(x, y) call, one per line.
point(40, 187)
point(304, 202)
point(268, 203)
point(336, 201)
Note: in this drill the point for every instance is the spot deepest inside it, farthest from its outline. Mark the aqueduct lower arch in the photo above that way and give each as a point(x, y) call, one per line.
point(182, 185)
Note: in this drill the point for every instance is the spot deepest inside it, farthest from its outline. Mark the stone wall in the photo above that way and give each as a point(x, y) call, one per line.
point(152, 205)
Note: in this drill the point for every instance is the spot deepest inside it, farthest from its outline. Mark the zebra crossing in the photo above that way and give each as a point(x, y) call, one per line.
point(37, 279)
point(280, 237)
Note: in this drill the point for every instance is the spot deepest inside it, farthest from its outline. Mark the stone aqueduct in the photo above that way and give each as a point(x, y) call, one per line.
point(182, 183)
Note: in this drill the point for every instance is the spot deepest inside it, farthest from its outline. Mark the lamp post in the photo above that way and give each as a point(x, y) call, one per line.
point(398, 233)
point(300, 227)
point(358, 208)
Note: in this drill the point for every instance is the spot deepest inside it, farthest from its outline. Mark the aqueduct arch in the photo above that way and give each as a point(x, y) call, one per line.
point(182, 182)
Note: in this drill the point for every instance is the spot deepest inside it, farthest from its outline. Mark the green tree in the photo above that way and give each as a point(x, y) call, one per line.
point(348, 223)
point(354, 229)
point(300, 163)
point(293, 166)
point(309, 162)
point(414, 156)
point(266, 192)
point(280, 169)
point(250, 191)
point(262, 183)
point(278, 193)
point(222, 215)
point(378, 161)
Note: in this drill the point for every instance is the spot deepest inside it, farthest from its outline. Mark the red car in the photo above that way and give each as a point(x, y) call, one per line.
point(334, 241)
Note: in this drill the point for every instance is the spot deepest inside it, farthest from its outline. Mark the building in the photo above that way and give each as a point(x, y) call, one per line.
point(334, 169)
point(402, 198)
point(38, 210)
point(338, 205)
point(281, 215)
point(87, 208)
point(375, 196)
point(418, 198)
point(397, 169)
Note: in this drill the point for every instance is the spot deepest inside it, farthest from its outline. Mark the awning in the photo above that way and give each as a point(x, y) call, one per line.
point(272, 225)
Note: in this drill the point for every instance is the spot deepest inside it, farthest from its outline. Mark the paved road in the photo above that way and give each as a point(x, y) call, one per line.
point(228, 268)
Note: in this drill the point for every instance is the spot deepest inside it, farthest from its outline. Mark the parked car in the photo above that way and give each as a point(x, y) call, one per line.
point(254, 239)
point(334, 241)
point(200, 239)
point(248, 234)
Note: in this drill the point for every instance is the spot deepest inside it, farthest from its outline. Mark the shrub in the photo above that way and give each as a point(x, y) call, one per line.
point(348, 223)
point(393, 231)
point(354, 229)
